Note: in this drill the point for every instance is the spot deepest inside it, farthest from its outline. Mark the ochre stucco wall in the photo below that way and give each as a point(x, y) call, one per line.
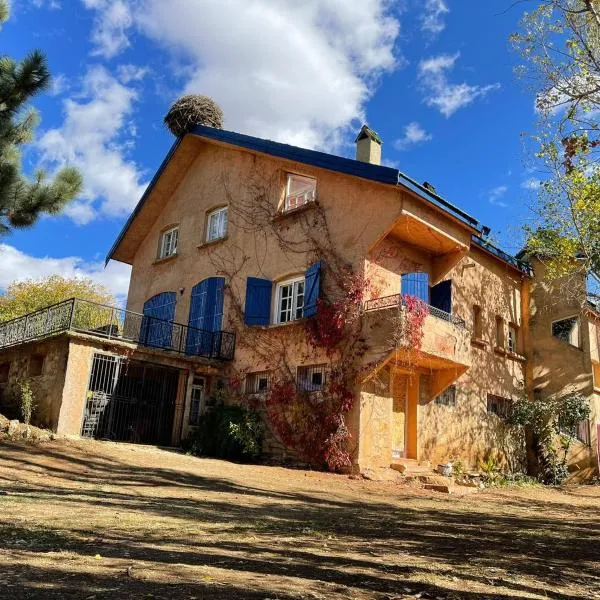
point(360, 215)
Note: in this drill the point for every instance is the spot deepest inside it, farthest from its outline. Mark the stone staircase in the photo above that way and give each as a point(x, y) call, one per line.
point(423, 473)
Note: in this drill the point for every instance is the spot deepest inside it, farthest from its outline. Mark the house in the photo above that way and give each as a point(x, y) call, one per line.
point(258, 265)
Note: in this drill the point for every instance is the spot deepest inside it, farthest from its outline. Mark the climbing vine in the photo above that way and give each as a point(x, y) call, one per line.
point(310, 420)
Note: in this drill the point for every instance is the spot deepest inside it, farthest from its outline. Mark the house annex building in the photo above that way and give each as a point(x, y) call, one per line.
point(219, 251)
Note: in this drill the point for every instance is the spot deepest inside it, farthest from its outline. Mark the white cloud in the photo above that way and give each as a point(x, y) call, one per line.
point(91, 138)
point(17, 266)
point(299, 72)
point(531, 184)
point(440, 93)
point(413, 134)
point(432, 19)
point(129, 73)
point(110, 32)
point(495, 195)
point(59, 84)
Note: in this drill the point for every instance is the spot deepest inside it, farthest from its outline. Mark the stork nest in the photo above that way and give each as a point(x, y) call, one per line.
point(192, 110)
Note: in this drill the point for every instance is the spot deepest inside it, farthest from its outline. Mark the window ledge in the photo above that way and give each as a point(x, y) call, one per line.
point(516, 356)
point(282, 214)
point(597, 390)
point(294, 322)
point(212, 242)
point(479, 343)
point(160, 261)
point(499, 350)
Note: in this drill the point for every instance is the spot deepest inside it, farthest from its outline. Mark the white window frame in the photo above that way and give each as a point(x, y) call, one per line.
point(168, 242)
point(579, 332)
point(293, 309)
point(198, 385)
point(297, 201)
point(222, 216)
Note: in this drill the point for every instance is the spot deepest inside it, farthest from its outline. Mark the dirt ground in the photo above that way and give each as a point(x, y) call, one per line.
point(99, 520)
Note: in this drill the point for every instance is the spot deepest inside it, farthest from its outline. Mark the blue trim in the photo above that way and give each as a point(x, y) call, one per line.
point(257, 310)
point(520, 265)
point(312, 288)
point(355, 168)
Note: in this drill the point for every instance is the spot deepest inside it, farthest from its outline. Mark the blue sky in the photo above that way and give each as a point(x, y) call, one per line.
point(433, 77)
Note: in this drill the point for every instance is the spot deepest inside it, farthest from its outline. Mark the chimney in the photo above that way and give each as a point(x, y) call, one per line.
point(368, 146)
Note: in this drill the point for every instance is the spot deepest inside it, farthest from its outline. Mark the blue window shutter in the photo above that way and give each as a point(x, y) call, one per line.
point(154, 332)
point(312, 289)
point(258, 301)
point(219, 287)
point(416, 284)
point(441, 296)
point(206, 314)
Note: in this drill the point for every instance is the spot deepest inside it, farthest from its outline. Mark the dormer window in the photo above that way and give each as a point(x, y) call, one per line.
point(217, 221)
point(168, 243)
point(299, 191)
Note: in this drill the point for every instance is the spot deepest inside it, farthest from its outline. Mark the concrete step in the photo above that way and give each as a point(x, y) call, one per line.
point(409, 466)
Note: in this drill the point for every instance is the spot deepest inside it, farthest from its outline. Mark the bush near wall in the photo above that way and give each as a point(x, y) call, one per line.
point(231, 432)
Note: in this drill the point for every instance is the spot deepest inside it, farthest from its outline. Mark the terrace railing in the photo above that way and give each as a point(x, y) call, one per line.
point(110, 322)
point(397, 300)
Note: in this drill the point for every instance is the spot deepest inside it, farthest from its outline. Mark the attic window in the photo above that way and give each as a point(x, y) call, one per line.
point(168, 243)
point(299, 191)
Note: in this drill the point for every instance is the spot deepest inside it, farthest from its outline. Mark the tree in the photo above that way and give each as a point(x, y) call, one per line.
point(23, 200)
point(560, 44)
point(24, 297)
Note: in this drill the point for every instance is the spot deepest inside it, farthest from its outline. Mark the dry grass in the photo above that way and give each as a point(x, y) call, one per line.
point(99, 520)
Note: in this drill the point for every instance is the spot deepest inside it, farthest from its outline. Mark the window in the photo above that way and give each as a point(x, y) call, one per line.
point(168, 243)
point(513, 338)
point(197, 403)
point(4, 372)
point(299, 191)
point(258, 383)
point(477, 323)
point(499, 332)
point(498, 405)
point(216, 227)
point(312, 378)
point(447, 397)
point(36, 365)
point(289, 304)
point(567, 330)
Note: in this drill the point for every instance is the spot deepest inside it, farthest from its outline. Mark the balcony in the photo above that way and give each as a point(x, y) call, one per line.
point(114, 323)
point(445, 351)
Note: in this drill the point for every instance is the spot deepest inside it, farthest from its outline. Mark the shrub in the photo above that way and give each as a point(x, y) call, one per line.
point(550, 423)
point(26, 401)
point(232, 432)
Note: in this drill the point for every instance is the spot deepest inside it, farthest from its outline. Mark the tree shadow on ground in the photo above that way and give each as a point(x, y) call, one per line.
point(528, 554)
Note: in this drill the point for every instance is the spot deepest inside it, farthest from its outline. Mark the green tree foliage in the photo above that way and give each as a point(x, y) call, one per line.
point(25, 297)
point(560, 44)
point(23, 199)
point(551, 424)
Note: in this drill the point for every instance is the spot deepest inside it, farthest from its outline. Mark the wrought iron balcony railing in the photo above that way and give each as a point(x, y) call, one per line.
point(397, 300)
point(116, 323)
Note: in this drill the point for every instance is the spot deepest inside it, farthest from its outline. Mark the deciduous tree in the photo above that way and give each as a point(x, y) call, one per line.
point(560, 44)
point(23, 297)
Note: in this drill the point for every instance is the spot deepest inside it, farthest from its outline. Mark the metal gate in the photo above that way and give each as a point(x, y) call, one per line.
point(130, 401)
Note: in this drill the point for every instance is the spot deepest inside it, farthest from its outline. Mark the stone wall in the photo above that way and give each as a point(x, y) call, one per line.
point(47, 384)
